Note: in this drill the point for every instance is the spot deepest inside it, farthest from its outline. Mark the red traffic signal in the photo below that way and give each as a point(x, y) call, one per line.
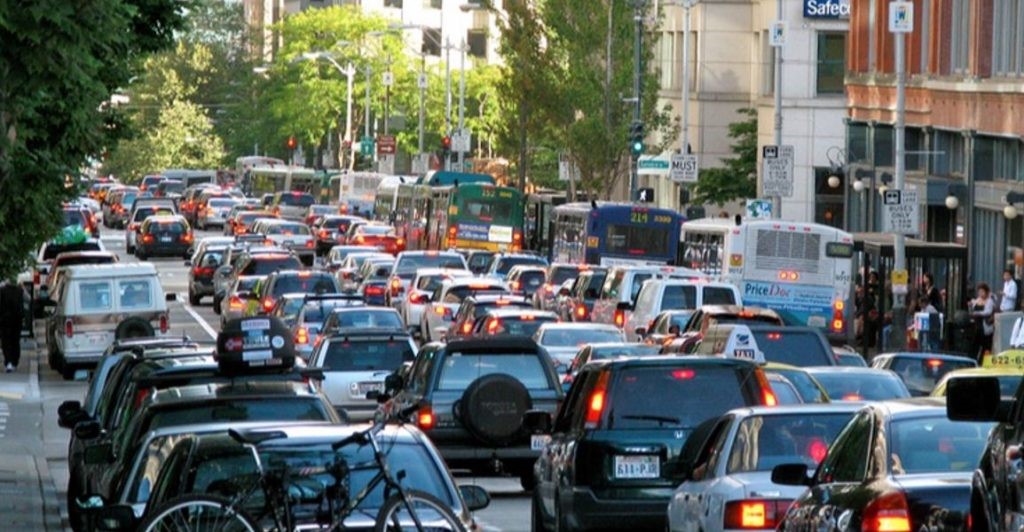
point(292, 143)
point(446, 143)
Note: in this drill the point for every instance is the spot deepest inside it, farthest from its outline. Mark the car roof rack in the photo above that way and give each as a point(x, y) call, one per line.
point(184, 378)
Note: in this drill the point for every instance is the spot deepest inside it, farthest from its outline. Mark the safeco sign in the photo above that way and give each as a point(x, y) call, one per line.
point(827, 8)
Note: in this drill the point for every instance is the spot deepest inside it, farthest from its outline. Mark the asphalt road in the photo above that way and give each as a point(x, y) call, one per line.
point(510, 506)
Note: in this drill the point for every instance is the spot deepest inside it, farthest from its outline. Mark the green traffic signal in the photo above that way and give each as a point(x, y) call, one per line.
point(637, 147)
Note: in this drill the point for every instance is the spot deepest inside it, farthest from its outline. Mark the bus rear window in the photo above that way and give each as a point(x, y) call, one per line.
point(637, 240)
point(487, 210)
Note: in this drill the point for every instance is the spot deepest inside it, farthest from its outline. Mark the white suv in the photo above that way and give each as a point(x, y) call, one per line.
point(658, 295)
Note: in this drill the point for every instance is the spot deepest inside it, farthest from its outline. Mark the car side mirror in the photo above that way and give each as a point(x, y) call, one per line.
point(394, 382)
point(88, 430)
point(476, 497)
point(69, 413)
point(537, 422)
point(115, 517)
point(975, 399)
point(791, 475)
point(99, 453)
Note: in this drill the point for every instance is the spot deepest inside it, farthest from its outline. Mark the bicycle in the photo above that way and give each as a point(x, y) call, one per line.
point(402, 509)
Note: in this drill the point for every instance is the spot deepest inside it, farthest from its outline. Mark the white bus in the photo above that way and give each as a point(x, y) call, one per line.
point(803, 271)
point(355, 192)
point(258, 180)
point(386, 196)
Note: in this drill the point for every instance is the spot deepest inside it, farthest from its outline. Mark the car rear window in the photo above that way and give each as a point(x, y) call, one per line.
point(338, 223)
point(481, 308)
point(71, 261)
point(458, 293)
point(288, 229)
point(376, 230)
point(269, 265)
point(223, 202)
point(211, 259)
point(714, 295)
point(579, 337)
point(460, 369)
point(636, 350)
point(52, 250)
point(135, 294)
point(94, 295)
point(369, 319)
point(922, 374)
point(480, 261)
point(935, 445)
point(530, 281)
point(518, 326)
point(296, 199)
point(368, 355)
point(562, 274)
point(255, 409)
point(796, 348)
point(176, 187)
point(763, 442)
point(307, 284)
point(695, 393)
point(408, 264)
point(678, 297)
point(842, 386)
point(166, 228)
point(506, 263)
point(73, 217)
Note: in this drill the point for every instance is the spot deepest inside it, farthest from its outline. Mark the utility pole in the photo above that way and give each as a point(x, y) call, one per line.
point(423, 88)
point(349, 74)
point(448, 97)
point(899, 310)
point(387, 96)
point(638, 16)
point(462, 100)
point(777, 200)
point(684, 146)
point(366, 120)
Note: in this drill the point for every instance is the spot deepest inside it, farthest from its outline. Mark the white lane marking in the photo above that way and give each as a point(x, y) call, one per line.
point(202, 323)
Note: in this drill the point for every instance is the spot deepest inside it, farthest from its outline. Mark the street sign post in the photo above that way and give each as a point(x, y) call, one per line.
point(421, 163)
point(777, 34)
point(388, 79)
point(567, 169)
point(421, 81)
point(461, 140)
point(386, 145)
point(777, 171)
point(901, 17)
point(759, 209)
point(386, 164)
point(901, 213)
point(684, 168)
point(366, 146)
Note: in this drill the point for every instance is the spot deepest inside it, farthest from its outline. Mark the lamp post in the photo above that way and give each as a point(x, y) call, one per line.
point(1010, 211)
point(348, 71)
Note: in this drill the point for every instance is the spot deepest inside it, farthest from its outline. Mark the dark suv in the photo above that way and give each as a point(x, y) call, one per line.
point(472, 396)
point(614, 457)
point(284, 282)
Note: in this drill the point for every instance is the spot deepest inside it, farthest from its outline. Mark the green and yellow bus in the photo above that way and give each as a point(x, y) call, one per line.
point(476, 216)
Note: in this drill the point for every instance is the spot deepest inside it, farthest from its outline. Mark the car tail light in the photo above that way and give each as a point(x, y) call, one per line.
point(309, 243)
point(400, 242)
point(133, 226)
point(453, 233)
point(203, 211)
point(767, 396)
point(416, 298)
point(597, 401)
point(147, 239)
point(235, 303)
point(467, 328)
point(360, 239)
point(164, 324)
point(441, 310)
point(581, 311)
point(324, 234)
point(754, 514)
point(302, 336)
point(268, 304)
point(186, 238)
point(817, 449)
point(492, 325)
point(69, 328)
point(620, 318)
point(515, 285)
point(548, 288)
point(199, 271)
point(396, 286)
point(425, 418)
point(268, 242)
point(838, 321)
point(374, 290)
point(517, 240)
point(888, 512)
point(36, 278)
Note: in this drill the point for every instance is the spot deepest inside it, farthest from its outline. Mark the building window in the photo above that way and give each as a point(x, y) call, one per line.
point(831, 62)
point(663, 59)
point(431, 42)
point(884, 145)
point(915, 159)
point(925, 45)
point(432, 4)
point(477, 42)
point(1007, 41)
point(996, 158)
point(767, 66)
point(857, 143)
point(393, 3)
point(947, 154)
point(961, 36)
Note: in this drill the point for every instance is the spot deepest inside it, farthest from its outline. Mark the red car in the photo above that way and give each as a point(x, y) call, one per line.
point(378, 235)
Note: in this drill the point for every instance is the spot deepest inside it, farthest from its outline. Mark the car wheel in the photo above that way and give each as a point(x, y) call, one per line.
point(53, 357)
point(194, 299)
point(537, 516)
point(74, 514)
point(216, 305)
point(979, 514)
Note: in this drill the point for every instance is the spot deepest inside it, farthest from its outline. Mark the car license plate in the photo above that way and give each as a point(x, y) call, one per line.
point(97, 339)
point(165, 239)
point(255, 341)
point(539, 441)
point(367, 387)
point(637, 466)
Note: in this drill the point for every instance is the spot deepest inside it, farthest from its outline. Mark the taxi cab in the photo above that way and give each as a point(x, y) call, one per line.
point(1009, 375)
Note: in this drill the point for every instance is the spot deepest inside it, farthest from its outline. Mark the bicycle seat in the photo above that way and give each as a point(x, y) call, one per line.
point(255, 437)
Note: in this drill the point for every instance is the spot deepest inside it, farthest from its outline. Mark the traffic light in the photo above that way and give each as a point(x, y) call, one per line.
point(446, 144)
point(292, 143)
point(636, 138)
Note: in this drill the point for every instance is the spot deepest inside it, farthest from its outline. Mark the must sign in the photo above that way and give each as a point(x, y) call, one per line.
point(684, 168)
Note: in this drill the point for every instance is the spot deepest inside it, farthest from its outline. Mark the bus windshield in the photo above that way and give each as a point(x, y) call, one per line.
point(487, 209)
point(626, 239)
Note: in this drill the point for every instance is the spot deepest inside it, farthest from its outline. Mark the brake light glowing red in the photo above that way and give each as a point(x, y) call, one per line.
point(396, 286)
point(769, 398)
point(69, 328)
point(492, 325)
point(887, 513)
point(683, 374)
point(934, 362)
point(817, 450)
point(620, 317)
point(187, 238)
point(235, 303)
point(425, 418)
point(754, 514)
point(374, 290)
point(774, 336)
point(268, 304)
point(596, 403)
point(302, 336)
point(164, 325)
point(147, 239)
point(581, 311)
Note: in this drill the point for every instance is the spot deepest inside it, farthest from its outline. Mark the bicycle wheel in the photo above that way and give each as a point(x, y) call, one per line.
point(432, 513)
point(199, 512)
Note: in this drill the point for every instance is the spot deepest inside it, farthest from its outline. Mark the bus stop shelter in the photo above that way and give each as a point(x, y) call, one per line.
point(946, 261)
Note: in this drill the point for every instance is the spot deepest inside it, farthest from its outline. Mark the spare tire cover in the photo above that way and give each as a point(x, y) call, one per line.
point(492, 408)
point(134, 327)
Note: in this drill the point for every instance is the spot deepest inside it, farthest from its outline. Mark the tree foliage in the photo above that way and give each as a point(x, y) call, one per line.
point(59, 63)
point(737, 178)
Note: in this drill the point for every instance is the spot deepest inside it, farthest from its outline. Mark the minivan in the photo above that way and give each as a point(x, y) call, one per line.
point(658, 295)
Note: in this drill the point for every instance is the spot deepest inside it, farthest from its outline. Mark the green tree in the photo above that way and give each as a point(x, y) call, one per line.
point(737, 178)
point(59, 63)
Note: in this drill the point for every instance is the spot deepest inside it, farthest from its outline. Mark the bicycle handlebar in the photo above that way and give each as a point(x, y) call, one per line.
point(362, 436)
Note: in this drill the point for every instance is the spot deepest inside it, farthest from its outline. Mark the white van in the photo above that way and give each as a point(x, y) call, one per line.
point(657, 295)
point(98, 303)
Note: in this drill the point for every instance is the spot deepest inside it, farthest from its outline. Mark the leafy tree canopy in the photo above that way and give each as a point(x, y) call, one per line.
point(737, 178)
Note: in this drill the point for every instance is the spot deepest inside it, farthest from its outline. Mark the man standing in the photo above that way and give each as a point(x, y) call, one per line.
point(1009, 301)
point(11, 316)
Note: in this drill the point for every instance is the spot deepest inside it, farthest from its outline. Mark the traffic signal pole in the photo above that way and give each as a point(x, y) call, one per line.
point(638, 17)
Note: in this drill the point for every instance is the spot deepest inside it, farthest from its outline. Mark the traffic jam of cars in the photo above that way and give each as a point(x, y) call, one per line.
point(362, 364)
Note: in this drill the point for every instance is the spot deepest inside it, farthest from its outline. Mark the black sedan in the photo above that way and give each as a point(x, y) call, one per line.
point(165, 235)
point(898, 465)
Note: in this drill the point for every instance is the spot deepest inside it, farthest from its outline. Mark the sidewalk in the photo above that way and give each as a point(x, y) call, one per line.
point(29, 500)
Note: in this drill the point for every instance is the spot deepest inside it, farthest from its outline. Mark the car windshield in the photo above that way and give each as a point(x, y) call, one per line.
point(52, 250)
point(305, 284)
point(175, 187)
point(935, 445)
point(288, 229)
point(408, 264)
point(211, 259)
point(506, 263)
point(796, 348)
point(636, 350)
point(340, 224)
point(577, 337)
point(763, 442)
point(368, 355)
point(369, 319)
point(843, 386)
point(297, 199)
point(247, 283)
point(222, 467)
point(460, 369)
point(267, 265)
point(696, 394)
point(921, 374)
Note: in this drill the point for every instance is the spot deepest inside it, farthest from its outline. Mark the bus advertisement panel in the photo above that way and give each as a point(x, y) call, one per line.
point(477, 216)
point(612, 234)
point(803, 271)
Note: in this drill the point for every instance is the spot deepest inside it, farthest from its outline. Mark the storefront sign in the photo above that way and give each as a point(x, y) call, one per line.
point(837, 9)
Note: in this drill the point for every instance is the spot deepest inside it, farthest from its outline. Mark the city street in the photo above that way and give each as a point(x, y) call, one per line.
point(33, 449)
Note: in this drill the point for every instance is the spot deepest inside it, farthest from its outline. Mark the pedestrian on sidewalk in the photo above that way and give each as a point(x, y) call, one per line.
point(12, 301)
point(1008, 303)
point(982, 312)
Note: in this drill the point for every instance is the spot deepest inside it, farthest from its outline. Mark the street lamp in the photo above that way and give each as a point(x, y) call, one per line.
point(349, 71)
point(1010, 211)
point(953, 193)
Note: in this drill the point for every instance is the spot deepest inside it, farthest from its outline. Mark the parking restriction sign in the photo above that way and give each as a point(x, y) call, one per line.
point(777, 171)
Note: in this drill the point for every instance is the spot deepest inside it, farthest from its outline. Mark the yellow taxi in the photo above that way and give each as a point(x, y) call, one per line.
point(1009, 377)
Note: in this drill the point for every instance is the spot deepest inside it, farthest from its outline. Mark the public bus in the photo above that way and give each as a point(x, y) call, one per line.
point(441, 178)
point(354, 192)
point(259, 180)
point(611, 234)
point(538, 218)
point(409, 217)
point(803, 271)
point(386, 197)
point(476, 216)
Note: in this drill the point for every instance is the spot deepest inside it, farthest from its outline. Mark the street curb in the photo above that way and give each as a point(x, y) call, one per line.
point(55, 516)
